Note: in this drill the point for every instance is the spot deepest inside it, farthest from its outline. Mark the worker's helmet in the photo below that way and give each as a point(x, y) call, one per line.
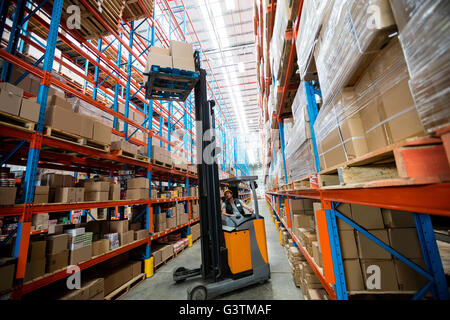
point(228, 190)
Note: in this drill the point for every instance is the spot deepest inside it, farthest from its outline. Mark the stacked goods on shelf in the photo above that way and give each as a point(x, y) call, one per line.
point(160, 220)
point(361, 256)
point(138, 188)
point(61, 189)
point(295, 258)
point(177, 242)
point(8, 188)
point(36, 260)
point(91, 28)
point(161, 156)
point(41, 194)
point(424, 36)
point(195, 209)
point(118, 143)
point(79, 245)
point(299, 147)
point(312, 17)
point(7, 268)
point(161, 253)
point(377, 112)
point(57, 252)
point(95, 124)
point(133, 10)
point(195, 231)
point(349, 39)
point(90, 290)
point(182, 216)
point(280, 47)
point(96, 190)
point(12, 102)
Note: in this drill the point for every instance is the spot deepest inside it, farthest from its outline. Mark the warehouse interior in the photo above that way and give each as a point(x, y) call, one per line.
point(224, 150)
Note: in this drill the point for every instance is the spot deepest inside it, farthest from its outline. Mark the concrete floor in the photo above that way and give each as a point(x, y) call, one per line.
point(280, 287)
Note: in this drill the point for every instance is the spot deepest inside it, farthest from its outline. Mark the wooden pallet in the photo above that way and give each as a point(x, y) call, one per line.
point(10, 120)
point(75, 139)
point(134, 11)
point(302, 184)
point(163, 263)
point(90, 27)
point(414, 161)
point(181, 169)
point(129, 155)
point(162, 164)
point(125, 288)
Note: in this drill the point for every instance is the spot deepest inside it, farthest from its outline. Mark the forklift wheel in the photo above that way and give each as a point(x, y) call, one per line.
point(197, 293)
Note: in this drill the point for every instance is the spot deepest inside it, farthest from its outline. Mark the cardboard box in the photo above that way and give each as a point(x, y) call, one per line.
point(136, 268)
point(159, 227)
point(53, 180)
point(40, 198)
point(367, 217)
point(409, 279)
point(57, 261)
point(303, 221)
point(398, 219)
point(100, 247)
point(62, 119)
point(65, 195)
point(8, 196)
point(68, 180)
point(345, 209)
point(57, 243)
point(117, 277)
point(96, 196)
point(35, 269)
point(7, 268)
point(388, 277)
point(316, 253)
point(137, 194)
point(114, 192)
point(36, 250)
point(167, 252)
point(60, 102)
point(87, 127)
point(101, 133)
point(126, 237)
point(138, 183)
point(39, 219)
point(171, 222)
point(79, 194)
point(161, 60)
point(353, 275)
point(94, 288)
point(99, 186)
point(118, 226)
point(10, 98)
point(181, 49)
point(29, 109)
point(348, 244)
point(157, 257)
point(80, 255)
point(140, 234)
point(183, 64)
point(300, 205)
point(370, 250)
point(41, 190)
point(406, 242)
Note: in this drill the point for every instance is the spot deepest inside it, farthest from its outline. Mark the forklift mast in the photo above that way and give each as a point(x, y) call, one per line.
point(214, 253)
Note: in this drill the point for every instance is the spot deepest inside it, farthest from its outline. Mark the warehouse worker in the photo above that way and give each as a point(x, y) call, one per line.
point(232, 207)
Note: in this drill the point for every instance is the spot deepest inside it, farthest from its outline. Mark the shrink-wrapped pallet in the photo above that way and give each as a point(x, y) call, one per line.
point(425, 38)
point(281, 22)
point(299, 149)
point(377, 112)
point(349, 39)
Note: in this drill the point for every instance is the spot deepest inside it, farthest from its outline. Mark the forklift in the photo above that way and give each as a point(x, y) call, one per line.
point(233, 257)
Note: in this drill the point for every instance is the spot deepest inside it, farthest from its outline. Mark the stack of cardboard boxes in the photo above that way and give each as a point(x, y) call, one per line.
point(12, 102)
point(138, 189)
point(195, 207)
point(91, 290)
point(162, 155)
point(36, 260)
point(179, 55)
point(195, 231)
point(57, 252)
point(41, 194)
point(79, 245)
point(161, 253)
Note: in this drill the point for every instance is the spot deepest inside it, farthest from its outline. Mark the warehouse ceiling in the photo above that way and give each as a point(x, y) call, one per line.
point(225, 30)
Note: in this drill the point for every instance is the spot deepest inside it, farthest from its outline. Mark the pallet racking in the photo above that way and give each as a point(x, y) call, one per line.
point(111, 69)
point(422, 197)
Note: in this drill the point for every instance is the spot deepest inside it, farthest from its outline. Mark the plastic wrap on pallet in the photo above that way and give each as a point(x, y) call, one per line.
point(299, 152)
point(426, 43)
point(350, 37)
point(313, 13)
point(83, 107)
point(375, 113)
point(281, 21)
